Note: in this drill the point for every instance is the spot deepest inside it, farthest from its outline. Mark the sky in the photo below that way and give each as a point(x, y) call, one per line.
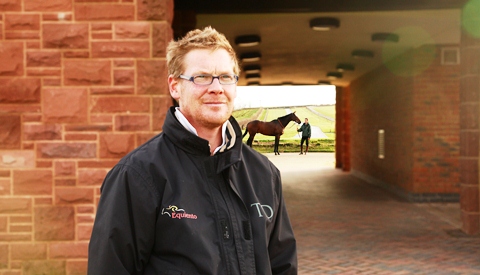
point(284, 96)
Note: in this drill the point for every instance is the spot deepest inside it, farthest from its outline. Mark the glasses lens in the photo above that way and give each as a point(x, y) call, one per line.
point(227, 79)
point(202, 79)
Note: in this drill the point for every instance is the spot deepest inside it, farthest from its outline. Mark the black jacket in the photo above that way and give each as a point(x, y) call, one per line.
point(168, 207)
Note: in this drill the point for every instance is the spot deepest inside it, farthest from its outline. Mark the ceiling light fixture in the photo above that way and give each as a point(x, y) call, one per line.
point(345, 67)
point(324, 82)
point(247, 40)
point(253, 83)
point(334, 75)
point(252, 76)
point(385, 37)
point(362, 54)
point(324, 23)
point(250, 69)
point(250, 57)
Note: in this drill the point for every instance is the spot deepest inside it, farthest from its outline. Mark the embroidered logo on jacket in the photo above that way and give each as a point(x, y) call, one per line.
point(177, 213)
point(263, 209)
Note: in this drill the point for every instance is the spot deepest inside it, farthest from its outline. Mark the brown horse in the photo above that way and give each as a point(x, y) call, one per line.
point(272, 128)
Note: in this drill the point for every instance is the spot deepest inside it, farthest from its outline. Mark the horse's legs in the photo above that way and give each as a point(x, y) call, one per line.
point(277, 140)
point(250, 139)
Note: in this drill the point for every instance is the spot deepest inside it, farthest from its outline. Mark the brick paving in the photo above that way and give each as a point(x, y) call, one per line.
point(344, 225)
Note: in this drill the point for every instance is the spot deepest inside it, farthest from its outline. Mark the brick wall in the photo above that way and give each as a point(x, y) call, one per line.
point(82, 82)
point(419, 113)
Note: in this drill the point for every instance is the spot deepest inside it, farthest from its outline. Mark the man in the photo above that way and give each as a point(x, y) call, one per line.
point(306, 134)
point(194, 199)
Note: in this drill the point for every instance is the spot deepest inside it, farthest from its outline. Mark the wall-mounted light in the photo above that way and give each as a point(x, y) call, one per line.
point(345, 67)
point(362, 54)
point(250, 57)
point(334, 75)
point(385, 37)
point(252, 76)
point(247, 40)
point(324, 82)
point(251, 69)
point(324, 23)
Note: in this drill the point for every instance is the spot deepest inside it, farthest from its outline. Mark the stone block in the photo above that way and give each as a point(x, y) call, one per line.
point(156, 10)
point(43, 59)
point(10, 5)
point(65, 105)
point(10, 131)
point(66, 150)
point(116, 145)
point(32, 182)
point(44, 72)
point(77, 267)
point(116, 12)
point(44, 267)
point(22, 22)
point(54, 223)
point(50, 5)
point(132, 30)
point(112, 91)
point(132, 123)
point(11, 54)
point(121, 49)
point(42, 132)
point(84, 232)
point(65, 36)
point(124, 77)
point(162, 35)
point(160, 109)
point(20, 90)
point(15, 206)
point(73, 195)
point(22, 35)
point(69, 250)
point(17, 159)
point(3, 256)
point(127, 104)
point(91, 177)
point(87, 72)
point(152, 77)
point(25, 252)
point(65, 168)
point(101, 26)
point(4, 188)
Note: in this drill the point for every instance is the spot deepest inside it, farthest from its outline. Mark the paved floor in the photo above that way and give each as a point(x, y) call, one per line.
point(344, 225)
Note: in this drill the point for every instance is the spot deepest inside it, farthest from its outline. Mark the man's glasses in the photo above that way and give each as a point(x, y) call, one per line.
point(207, 79)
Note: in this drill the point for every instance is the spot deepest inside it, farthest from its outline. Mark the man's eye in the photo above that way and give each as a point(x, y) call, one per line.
point(226, 77)
point(202, 77)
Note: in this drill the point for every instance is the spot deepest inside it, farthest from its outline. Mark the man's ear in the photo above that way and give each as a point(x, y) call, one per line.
point(173, 87)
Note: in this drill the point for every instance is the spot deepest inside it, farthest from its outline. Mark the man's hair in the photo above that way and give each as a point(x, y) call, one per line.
point(208, 38)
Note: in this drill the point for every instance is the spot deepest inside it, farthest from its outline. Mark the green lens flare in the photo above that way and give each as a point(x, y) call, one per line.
point(471, 18)
point(408, 62)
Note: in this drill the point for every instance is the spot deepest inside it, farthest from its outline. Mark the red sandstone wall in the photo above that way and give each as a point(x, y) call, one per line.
point(82, 82)
point(420, 116)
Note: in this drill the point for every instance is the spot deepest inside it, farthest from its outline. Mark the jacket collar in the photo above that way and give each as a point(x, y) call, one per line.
point(193, 144)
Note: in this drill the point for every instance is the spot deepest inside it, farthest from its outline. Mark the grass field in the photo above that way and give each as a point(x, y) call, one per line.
point(290, 140)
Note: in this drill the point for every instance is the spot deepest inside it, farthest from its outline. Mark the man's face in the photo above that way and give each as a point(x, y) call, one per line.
point(206, 106)
point(306, 121)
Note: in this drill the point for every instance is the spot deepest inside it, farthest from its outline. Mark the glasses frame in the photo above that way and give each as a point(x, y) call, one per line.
point(192, 79)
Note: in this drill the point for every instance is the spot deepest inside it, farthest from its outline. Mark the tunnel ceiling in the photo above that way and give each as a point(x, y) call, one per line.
point(293, 53)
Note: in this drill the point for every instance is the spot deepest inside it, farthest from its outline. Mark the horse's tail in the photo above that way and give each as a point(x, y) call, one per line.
point(246, 130)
